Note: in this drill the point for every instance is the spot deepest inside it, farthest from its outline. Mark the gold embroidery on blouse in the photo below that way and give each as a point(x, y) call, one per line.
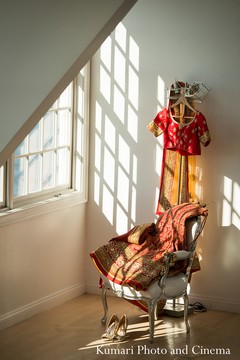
point(205, 138)
point(154, 129)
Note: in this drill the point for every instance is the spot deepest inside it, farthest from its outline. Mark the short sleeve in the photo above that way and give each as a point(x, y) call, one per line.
point(159, 124)
point(203, 131)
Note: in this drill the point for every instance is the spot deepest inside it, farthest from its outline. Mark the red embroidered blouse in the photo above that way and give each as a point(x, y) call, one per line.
point(183, 138)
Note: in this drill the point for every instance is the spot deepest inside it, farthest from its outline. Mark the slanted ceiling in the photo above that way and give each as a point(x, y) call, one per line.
point(44, 44)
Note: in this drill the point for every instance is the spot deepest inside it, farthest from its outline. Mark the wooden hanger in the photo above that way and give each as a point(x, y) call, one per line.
point(182, 100)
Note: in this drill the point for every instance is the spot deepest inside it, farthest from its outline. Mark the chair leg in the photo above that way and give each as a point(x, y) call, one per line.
point(151, 315)
point(105, 305)
point(186, 304)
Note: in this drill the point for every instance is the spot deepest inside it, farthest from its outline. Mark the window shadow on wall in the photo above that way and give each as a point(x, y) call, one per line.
point(116, 130)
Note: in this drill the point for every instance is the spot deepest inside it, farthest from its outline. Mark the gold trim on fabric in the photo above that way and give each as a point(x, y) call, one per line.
point(154, 129)
point(205, 138)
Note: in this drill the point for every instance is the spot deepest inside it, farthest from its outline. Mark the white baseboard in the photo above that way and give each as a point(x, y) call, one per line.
point(214, 303)
point(48, 302)
point(93, 289)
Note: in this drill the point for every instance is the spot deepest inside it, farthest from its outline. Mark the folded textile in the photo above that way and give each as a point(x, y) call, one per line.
point(139, 233)
point(136, 258)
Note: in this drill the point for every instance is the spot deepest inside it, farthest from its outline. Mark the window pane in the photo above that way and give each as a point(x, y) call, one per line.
point(35, 139)
point(48, 130)
point(54, 106)
point(48, 169)
point(65, 100)
point(34, 173)
point(62, 171)
point(79, 173)
point(63, 127)
point(22, 148)
point(20, 176)
point(80, 134)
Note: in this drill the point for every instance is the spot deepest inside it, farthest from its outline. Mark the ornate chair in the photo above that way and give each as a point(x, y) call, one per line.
point(168, 287)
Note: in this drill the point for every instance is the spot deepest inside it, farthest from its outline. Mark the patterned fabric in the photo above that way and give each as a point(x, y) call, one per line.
point(137, 265)
point(138, 234)
point(174, 182)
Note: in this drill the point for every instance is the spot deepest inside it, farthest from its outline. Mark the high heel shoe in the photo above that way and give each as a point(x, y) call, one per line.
point(122, 328)
point(111, 328)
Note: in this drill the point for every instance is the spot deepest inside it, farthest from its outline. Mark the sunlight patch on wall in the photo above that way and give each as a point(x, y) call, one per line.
point(121, 220)
point(105, 53)
point(116, 130)
point(121, 36)
point(231, 205)
point(120, 69)
point(132, 124)
point(134, 53)
point(107, 204)
point(123, 188)
point(236, 205)
point(124, 153)
point(110, 135)
point(98, 118)
point(97, 152)
point(97, 188)
point(119, 104)
point(105, 84)
point(133, 206)
point(133, 87)
point(109, 169)
point(134, 169)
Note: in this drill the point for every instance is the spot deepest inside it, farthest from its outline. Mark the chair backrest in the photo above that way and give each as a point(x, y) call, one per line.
point(193, 230)
point(193, 226)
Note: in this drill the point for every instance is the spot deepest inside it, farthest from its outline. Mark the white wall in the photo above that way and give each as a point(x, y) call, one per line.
point(189, 41)
point(42, 263)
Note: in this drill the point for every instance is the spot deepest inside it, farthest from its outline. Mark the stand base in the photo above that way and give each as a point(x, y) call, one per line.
point(176, 310)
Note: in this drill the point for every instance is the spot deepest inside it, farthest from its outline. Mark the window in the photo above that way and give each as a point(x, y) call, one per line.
point(42, 160)
point(52, 159)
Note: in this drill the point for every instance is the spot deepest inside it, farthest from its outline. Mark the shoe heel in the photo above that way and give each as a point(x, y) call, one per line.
point(122, 328)
point(111, 328)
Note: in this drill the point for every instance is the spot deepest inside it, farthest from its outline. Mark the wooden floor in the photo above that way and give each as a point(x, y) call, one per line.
point(73, 331)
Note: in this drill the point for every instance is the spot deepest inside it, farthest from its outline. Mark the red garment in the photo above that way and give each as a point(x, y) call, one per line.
point(183, 138)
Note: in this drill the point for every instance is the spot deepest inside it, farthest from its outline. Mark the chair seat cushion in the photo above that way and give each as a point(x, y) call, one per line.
point(175, 287)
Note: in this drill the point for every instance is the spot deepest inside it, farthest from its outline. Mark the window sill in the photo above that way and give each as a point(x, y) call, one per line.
point(42, 207)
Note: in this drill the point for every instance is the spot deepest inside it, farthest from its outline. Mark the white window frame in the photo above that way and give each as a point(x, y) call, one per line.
point(58, 197)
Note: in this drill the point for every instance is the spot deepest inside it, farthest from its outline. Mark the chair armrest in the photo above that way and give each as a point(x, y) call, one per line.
point(171, 257)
